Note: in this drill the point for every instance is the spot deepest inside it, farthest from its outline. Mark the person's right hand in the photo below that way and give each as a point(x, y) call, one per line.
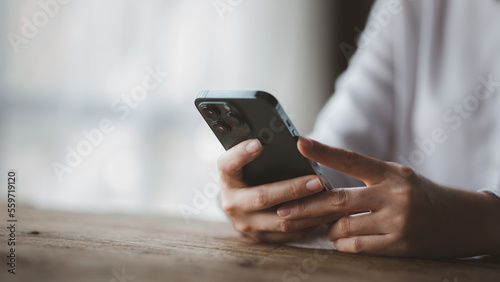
point(253, 209)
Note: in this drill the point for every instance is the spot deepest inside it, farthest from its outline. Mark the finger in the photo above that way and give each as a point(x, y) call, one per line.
point(232, 161)
point(269, 221)
point(371, 244)
point(357, 225)
point(364, 168)
point(268, 195)
point(280, 237)
point(338, 201)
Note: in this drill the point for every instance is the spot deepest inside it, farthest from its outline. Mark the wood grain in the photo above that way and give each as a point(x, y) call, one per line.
point(61, 246)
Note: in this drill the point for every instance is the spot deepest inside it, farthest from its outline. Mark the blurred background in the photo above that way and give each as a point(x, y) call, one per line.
point(68, 66)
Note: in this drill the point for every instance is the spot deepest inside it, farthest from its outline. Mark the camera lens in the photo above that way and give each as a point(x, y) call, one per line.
point(221, 127)
point(209, 112)
point(233, 119)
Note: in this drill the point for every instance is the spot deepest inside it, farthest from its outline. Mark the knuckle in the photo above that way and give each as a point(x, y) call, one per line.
point(344, 226)
point(222, 163)
point(225, 185)
point(356, 245)
point(285, 225)
point(243, 227)
point(260, 199)
point(225, 178)
point(293, 190)
point(401, 171)
point(404, 194)
point(224, 175)
point(229, 164)
point(339, 198)
point(229, 208)
point(301, 208)
point(351, 158)
point(405, 171)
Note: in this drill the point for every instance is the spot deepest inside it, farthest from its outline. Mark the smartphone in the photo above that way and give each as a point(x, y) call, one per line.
point(235, 116)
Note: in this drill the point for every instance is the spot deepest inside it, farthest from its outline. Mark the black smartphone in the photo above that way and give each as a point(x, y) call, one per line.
point(235, 116)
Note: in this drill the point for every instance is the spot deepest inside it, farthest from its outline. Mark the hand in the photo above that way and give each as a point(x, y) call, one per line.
point(409, 215)
point(253, 210)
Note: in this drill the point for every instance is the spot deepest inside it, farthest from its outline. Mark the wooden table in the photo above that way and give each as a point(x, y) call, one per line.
point(60, 246)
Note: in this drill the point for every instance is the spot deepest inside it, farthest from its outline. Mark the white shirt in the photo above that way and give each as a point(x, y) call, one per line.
point(423, 90)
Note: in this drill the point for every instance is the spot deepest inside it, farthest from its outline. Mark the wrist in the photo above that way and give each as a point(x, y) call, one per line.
point(476, 216)
point(492, 218)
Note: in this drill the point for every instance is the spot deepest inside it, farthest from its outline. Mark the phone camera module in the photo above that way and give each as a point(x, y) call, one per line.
point(233, 119)
point(209, 112)
point(221, 127)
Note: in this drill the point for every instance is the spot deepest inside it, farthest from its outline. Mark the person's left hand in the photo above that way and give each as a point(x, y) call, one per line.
point(402, 213)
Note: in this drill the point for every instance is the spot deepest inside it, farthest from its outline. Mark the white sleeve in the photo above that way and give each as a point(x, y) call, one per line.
point(359, 116)
point(495, 192)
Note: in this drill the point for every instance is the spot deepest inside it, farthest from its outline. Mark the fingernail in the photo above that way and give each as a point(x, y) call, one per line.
point(253, 146)
point(314, 185)
point(283, 212)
